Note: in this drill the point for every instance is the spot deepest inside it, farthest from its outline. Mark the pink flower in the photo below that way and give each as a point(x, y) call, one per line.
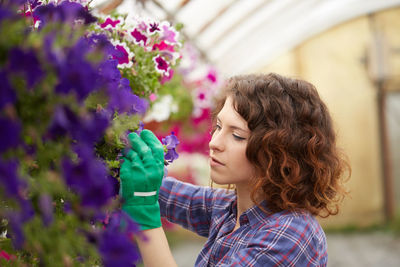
point(212, 75)
point(163, 46)
point(162, 65)
point(169, 34)
point(153, 97)
point(109, 23)
point(138, 37)
point(123, 55)
point(167, 77)
point(6, 256)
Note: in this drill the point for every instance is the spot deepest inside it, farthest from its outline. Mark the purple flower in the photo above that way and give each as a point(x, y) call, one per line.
point(26, 62)
point(61, 122)
point(9, 134)
point(161, 65)
point(17, 236)
point(66, 12)
point(5, 13)
point(76, 74)
point(46, 208)
point(170, 142)
point(138, 37)
point(115, 245)
point(114, 185)
point(16, 221)
point(9, 178)
point(109, 72)
point(7, 94)
point(101, 42)
point(85, 130)
point(171, 155)
point(117, 250)
point(88, 178)
point(90, 128)
point(124, 100)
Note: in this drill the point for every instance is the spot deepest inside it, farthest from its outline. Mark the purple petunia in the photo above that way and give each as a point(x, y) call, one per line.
point(9, 179)
point(170, 142)
point(86, 130)
point(88, 178)
point(9, 134)
point(115, 245)
point(121, 97)
point(26, 62)
point(76, 74)
point(16, 219)
point(7, 94)
point(66, 12)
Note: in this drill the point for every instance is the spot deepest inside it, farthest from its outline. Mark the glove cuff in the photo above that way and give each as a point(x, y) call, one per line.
point(147, 216)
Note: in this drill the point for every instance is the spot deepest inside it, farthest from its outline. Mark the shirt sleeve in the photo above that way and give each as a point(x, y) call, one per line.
point(280, 246)
point(187, 205)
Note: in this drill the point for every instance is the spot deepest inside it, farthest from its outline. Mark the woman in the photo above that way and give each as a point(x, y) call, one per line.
point(273, 140)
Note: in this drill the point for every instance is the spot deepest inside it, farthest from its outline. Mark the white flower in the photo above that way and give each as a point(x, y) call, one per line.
point(162, 109)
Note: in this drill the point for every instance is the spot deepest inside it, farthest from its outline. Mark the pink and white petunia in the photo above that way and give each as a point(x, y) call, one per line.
point(162, 46)
point(123, 54)
point(168, 34)
point(138, 37)
point(161, 65)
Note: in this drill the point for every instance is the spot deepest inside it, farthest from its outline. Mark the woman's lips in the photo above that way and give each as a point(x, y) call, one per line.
point(214, 162)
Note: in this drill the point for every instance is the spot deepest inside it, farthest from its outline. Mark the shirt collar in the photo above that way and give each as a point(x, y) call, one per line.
point(254, 214)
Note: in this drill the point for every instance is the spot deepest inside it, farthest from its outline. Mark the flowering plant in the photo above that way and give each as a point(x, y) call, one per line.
point(71, 87)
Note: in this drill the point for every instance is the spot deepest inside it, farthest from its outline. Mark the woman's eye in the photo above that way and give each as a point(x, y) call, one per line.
point(215, 128)
point(238, 138)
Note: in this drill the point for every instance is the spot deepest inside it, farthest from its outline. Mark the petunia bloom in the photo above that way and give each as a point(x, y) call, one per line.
point(122, 54)
point(170, 142)
point(169, 34)
point(110, 23)
point(161, 64)
point(138, 37)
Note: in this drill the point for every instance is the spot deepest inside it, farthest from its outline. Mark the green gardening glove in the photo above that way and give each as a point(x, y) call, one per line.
point(141, 174)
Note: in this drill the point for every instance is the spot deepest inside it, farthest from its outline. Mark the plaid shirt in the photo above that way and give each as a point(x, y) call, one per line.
point(281, 239)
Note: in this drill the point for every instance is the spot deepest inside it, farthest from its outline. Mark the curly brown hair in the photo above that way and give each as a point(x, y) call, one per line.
point(292, 143)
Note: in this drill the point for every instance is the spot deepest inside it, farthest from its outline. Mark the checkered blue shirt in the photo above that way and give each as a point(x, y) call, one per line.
point(281, 239)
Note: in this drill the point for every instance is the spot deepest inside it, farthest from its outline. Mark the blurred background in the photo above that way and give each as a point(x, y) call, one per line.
point(350, 50)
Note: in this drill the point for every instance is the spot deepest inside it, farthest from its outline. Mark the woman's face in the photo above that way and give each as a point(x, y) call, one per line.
point(228, 161)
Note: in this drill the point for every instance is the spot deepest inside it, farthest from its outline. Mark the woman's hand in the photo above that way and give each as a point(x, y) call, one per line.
point(141, 174)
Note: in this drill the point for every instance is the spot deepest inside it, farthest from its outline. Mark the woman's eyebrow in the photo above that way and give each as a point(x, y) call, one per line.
point(234, 127)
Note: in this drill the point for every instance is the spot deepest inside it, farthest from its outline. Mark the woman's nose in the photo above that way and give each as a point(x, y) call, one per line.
point(217, 142)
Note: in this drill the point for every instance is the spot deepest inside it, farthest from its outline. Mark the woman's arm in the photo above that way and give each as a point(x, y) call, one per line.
point(154, 249)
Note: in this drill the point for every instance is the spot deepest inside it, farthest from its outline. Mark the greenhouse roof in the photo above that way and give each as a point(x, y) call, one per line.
point(238, 36)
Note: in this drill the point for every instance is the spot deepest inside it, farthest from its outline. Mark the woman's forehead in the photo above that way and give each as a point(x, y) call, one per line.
point(228, 115)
